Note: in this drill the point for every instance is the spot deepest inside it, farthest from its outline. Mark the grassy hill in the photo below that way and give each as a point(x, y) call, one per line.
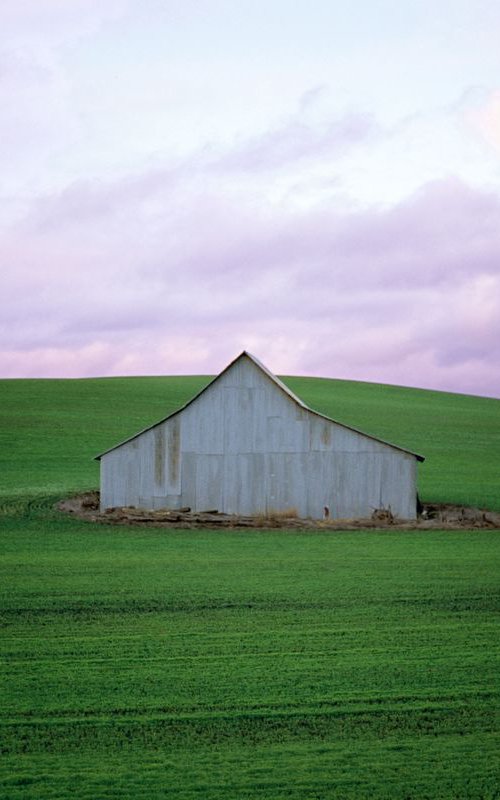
point(50, 430)
point(141, 664)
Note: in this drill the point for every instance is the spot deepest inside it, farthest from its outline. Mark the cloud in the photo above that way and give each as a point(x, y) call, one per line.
point(486, 119)
point(296, 140)
point(56, 21)
point(171, 194)
point(168, 272)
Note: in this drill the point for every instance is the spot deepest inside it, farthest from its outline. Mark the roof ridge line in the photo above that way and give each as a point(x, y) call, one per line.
point(279, 383)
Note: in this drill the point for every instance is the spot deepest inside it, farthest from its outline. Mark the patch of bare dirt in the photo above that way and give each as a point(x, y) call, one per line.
point(443, 516)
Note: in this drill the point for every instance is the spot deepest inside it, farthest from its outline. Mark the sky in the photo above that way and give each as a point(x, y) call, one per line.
point(317, 182)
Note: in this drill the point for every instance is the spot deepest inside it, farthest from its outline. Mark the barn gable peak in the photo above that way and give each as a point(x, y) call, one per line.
point(246, 355)
point(266, 371)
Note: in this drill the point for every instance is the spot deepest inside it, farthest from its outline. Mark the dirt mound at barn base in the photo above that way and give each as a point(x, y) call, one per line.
point(443, 516)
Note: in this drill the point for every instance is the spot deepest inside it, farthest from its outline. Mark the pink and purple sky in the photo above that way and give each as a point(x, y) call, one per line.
point(317, 182)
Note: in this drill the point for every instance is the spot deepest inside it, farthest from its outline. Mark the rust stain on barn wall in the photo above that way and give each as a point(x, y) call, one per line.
point(174, 451)
point(326, 435)
point(159, 454)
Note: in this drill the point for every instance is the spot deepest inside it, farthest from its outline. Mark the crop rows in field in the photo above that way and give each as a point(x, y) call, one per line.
point(221, 665)
point(143, 664)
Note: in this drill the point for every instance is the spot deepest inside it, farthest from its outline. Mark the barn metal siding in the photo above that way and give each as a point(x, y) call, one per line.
point(246, 446)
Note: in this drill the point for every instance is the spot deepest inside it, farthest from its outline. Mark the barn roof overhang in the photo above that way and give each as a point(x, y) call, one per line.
point(281, 386)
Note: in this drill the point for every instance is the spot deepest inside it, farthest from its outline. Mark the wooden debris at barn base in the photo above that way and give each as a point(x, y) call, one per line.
point(448, 517)
point(384, 515)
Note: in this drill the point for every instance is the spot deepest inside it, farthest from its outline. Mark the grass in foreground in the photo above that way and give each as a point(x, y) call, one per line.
point(248, 665)
point(152, 664)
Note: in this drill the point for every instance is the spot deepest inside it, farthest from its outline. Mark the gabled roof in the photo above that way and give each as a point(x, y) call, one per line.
point(280, 385)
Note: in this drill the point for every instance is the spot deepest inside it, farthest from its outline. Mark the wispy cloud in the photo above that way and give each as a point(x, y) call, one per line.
point(148, 274)
point(296, 140)
point(169, 199)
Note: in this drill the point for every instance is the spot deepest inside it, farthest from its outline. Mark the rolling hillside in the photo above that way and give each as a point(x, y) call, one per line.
point(51, 429)
point(143, 664)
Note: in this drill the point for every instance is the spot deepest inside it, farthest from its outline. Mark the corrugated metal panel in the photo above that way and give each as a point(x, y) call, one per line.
point(203, 424)
point(244, 483)
point(232, 375)
point(245, 446)
point(188, 481)
point(209, 482)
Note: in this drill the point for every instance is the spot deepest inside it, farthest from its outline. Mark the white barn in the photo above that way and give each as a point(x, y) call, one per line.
point(247, 445)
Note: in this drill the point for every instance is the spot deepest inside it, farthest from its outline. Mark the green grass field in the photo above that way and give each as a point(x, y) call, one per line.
point(223, 665)
point(50, 430)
